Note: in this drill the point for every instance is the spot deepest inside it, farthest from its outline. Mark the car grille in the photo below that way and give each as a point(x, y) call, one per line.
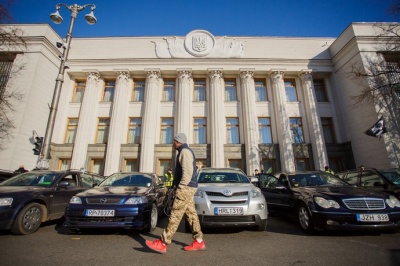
point(364, 204)
point(219, 194)
point(103, 200)
point(229, 218)
point(227, 202)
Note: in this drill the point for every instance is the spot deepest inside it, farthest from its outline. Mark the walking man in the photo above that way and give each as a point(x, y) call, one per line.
point(185, 183)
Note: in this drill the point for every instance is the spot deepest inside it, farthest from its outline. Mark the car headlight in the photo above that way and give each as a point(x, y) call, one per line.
point(6, 201)
point(136, 200)
point(324, 203)
point(392, 201)
point(199, 193)
point(75, 200)
point(256, 192)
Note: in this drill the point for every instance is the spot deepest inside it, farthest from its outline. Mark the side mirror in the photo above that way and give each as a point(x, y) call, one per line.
point(63, 184)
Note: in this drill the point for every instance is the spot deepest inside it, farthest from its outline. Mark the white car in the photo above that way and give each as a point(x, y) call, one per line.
point(226, 198)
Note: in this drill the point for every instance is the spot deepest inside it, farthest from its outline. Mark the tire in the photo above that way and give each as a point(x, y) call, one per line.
point(152, 225)
point(28, 219)
point(262, 226)
point(305, 220)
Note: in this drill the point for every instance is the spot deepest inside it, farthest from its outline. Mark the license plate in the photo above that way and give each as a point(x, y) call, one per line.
point(228, 211)
point(372, 217)
point(100, 213)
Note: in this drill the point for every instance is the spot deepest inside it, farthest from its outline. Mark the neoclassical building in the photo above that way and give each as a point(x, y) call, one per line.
point(269, 103)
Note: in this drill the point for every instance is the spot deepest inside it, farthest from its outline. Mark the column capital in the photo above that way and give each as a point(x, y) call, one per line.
point(153, 75)
point(277, 76)
point(306, 74)
point(92, 75)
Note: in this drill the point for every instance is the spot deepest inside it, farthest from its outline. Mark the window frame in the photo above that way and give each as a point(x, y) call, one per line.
point(264, 87)
point(195, 80)
point(293, 85)
point(299, 125)
point(112, 91)
point(228, 126)
point(140, 86)
point(261, 127)
point(227, 84)
point(106, 130)
point(169, 83)
point(78, 86)
point(67, 132)
point(130, 126)
point(202, 126)
point(168, 126)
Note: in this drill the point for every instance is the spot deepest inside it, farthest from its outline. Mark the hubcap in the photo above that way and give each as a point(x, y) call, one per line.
point(153, 219)
point(303, 218)
point(31, 218)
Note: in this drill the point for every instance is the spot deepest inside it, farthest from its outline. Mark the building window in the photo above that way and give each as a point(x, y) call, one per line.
point(261, 90)
point(71, 130)
point(138, 91)
point(167, 130)
point(131, 165)
point(264, 129)
point(327, 128)
point(235, 163)
point(232, 130)
point(199, 94)
point(291, 92)
point(392, 70)
point(79, 91)
point(230, 90)
point(64, 164)
point(320, 90)
point(102, 130)
point(97, 166)
point(135, 127)
point(268, 166)
point(109, 89)
point(6, 63)
point(164, 165)
point(296, 128)
point(200, 129)
point(169, 90)
point(302, 164)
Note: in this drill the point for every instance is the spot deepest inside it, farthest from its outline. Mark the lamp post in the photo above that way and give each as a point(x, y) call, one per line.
point(56, 18)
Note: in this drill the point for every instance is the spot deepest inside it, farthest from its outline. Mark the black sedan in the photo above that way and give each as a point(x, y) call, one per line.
point(28, 199)
point(321, 201)
point(130, 200)
point(377, 180)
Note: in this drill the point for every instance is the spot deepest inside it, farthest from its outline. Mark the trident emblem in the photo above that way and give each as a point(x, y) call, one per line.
point(199, 43)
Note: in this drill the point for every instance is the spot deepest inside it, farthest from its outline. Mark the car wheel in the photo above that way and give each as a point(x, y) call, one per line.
point(305, 219)
point(153, 219)
point(28, 219)
point(262, 226)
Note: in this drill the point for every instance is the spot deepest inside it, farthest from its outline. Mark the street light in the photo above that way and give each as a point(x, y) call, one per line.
point(56, 18)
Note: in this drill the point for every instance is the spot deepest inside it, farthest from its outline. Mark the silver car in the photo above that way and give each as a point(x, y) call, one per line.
point(226, 198)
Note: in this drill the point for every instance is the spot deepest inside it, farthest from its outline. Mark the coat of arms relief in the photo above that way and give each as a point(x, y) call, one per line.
point(199, 43)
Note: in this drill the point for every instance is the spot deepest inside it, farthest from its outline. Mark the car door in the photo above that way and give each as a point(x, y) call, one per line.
point(275, 192)
point(62, 194)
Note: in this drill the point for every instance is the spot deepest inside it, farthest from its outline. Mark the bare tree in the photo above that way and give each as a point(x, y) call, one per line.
point(11, 43)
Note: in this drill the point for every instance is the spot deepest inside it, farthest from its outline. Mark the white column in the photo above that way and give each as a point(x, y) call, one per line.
point(184, 115)
point(150, 121)
point(282, 122)
point(314, 122)
point(87, 121)
point(250, 121)
point(217, 119)
point(119, 119)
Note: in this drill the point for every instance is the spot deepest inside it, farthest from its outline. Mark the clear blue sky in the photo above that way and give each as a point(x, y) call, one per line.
point(307, 18)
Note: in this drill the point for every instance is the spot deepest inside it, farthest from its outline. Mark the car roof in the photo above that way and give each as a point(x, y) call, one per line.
point(220, 169)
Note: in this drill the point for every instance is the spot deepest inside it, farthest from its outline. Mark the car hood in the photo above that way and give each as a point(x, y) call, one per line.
point(121, 191)
point(223, 186)
point(20, 189)
point(338, 192)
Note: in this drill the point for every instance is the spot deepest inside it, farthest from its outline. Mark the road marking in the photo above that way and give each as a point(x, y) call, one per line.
point(368, 244)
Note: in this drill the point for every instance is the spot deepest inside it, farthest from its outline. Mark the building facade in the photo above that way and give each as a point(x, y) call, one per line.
point(269, 103)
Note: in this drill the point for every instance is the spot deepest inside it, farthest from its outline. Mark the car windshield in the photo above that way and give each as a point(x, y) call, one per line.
point(314, 179)
point(222, 177)
point(393, 176)
point(32, 179)
point(127, 179)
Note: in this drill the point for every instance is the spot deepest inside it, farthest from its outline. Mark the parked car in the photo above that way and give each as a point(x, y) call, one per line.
point(129, 200)
point(28, 199)
point(321, 201)
point(379, 180)
point(226, 198)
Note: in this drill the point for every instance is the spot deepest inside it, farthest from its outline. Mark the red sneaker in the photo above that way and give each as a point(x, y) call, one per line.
point(195, 246)
point(157, 245)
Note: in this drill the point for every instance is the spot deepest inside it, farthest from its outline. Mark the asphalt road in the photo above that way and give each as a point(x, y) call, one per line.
point(282, 244)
